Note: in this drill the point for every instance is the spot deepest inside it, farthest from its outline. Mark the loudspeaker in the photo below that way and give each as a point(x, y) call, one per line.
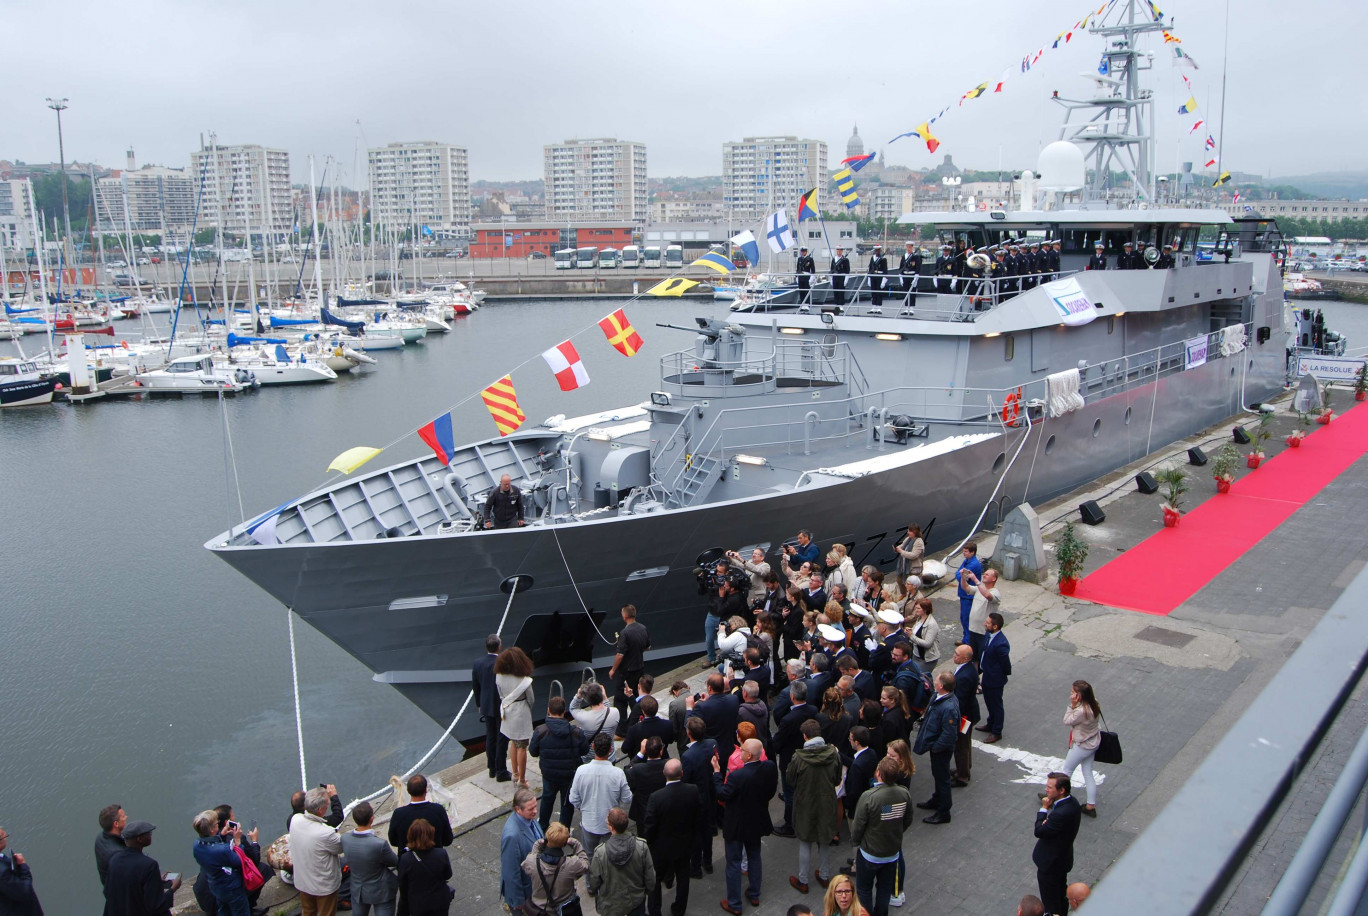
point(1196, 456)
point(1145, 482)
point(1241, 436)
point(1092, 513)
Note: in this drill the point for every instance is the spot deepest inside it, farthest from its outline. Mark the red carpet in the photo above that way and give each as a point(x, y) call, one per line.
point(1168, 567)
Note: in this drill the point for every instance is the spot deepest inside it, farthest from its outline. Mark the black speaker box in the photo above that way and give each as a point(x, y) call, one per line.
point(1241, 436)
point(1092, 513)
point(1145, 482)
point(1196, 456)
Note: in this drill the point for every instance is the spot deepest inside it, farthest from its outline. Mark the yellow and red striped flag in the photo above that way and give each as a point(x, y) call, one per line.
point(621, 334)
point(502, 402)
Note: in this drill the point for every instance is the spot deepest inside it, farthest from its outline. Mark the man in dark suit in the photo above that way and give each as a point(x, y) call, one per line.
point(788, 738)
point(1099, 259)
point(859, 766)
point(419, 807)
point(878, 266)
point(994, 669)
point(745, 795)
point(645, 775)
point(966, 691)
point(718, 712)
point(487, 697)
point(673, 820)
point(1056, 826)
point(755, 670)
point(862, 682)
point(650, 725)
point(697, 762)
point(910, 268)
point(805, 268)
point(945, 270)
point(840, 267)
point(369, 859)
point(16, 882)
point(814, 597)
point(136, 885)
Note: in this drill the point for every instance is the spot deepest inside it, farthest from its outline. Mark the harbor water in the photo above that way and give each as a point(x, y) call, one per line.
point(138, 669)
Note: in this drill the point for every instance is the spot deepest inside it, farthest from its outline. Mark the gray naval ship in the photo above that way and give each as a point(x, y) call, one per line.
point(945, 404)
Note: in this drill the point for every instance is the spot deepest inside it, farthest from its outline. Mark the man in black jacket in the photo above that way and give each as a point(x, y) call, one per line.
point(840, 267)
point(674, 816)
point(859, 766)
point(645, 775)
point(1099, 259)
point(16, 882)
point(419, 807)
point(110, 840)
point(136, 885)
point(805, 268)
point(487, 698)
point(560, 747)
point(788, 738)
point(650, 725)
point(745, 795)
point(718, 712)
point(937, 738)
point(878, 266)
point(910, 267)
point(697, 760)
point(966, 692)
point(504, 505)
point(1056, 826)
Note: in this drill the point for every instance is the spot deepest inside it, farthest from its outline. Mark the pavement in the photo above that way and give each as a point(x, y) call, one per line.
point(1170, 686)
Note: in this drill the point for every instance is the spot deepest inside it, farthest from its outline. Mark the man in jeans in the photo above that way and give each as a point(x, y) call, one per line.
point(598, 787)
point(560, 747)
point(881, 818)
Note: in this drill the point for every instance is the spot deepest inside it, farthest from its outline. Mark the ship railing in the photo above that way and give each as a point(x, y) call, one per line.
point(925, 296)
point(793, 361)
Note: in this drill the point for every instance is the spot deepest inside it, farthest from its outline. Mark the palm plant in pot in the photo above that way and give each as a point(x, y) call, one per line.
point(1071, 551)
point(1223, 467)
point(1294, 438)
point(1175, 486)
point(1262, 433)
point(1326, 411)
point(1361, 382)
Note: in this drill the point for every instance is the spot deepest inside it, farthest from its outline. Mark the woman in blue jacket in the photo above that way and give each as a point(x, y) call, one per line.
point(216, 855)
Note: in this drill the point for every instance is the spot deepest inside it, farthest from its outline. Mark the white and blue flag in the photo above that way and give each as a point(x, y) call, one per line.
point(778, 232)
point(747, 243)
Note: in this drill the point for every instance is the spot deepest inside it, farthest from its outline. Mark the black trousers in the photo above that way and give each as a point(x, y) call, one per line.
point(1052, 883)
point(876, 290)
point(838, 289)
point(678, 869)
point(940, 772)
point(621, 703)
point(496, 747)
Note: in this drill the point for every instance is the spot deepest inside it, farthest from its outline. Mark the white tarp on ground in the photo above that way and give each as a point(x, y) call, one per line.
point(890, 460)
point(1062, 392)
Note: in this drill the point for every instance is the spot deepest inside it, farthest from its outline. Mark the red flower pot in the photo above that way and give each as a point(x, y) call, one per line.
point(1252, 461)
point(1324, 419)
point(1222, 485)
point(1294, 441)
point(1067, 586)
point(1171, 518)
point(1360, 395)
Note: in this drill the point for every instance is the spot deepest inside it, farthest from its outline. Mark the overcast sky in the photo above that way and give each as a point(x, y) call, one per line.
point(502, 78)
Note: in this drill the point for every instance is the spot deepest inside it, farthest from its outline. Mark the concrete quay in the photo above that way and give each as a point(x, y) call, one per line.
point(1170, 686)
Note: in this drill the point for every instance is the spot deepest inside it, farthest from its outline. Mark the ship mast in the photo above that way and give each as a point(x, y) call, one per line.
point(1115, 127)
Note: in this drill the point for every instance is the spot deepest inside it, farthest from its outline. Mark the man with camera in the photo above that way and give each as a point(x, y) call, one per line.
point(803, 551)
point(755, 568)
point(726, 602)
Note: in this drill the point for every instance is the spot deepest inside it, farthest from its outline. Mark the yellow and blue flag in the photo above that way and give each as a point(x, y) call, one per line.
point(1189, 106)
point(715, 260)
point(858, 162)
point(845, 183)
point(675, 286)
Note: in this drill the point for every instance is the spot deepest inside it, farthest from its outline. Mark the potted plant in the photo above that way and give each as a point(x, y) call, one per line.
point(1071, 551)
point(1224, 467)
point(1361, 382)
point(1294, 439)
point(1326, 411)
point(1175, 485)
point(1262, 433)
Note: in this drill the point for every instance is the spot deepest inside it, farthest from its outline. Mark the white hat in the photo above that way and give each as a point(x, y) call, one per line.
point(831, 633)
point(890, 617)
point(859, 610)
point(914, 582)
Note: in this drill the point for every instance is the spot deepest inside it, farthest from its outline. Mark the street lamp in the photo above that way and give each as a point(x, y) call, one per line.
point(59, 106)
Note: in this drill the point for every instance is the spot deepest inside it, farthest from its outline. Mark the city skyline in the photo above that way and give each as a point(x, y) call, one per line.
point(671, 82)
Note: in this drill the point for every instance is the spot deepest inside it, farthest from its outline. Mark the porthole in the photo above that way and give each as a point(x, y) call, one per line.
point(1128, 416)
point(1008, 347)
point(1001, 460)
point(1097, 427)
point(1049, 445)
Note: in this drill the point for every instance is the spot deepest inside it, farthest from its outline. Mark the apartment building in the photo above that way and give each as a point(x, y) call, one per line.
point(600, 179)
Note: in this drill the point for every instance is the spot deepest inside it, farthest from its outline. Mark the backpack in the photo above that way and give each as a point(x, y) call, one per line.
point(755, 642)
point(915, 685)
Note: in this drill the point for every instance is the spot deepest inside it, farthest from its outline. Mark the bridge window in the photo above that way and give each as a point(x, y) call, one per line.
point(1008, 347)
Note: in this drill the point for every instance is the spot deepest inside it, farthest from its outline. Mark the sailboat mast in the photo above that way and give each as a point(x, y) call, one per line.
point(40, 240)
point(318, 267)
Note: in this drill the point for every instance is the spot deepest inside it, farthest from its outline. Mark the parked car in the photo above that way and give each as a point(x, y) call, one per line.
point(536, 256)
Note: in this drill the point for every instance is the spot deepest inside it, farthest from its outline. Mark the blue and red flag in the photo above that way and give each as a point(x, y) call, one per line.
point(439, 438)
point(858, 162)
point(807, 208)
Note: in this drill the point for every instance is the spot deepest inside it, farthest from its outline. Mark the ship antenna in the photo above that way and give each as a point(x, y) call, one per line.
point(1225, 56)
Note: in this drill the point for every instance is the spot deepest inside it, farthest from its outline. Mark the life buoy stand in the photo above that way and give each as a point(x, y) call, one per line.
point(1011, 408)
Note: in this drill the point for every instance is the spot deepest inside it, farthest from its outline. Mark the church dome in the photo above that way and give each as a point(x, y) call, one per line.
point(855, 146)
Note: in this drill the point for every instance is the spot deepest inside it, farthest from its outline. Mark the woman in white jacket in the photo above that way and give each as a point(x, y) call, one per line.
point(840, 568)
point(731, 641)
point(1085, 735)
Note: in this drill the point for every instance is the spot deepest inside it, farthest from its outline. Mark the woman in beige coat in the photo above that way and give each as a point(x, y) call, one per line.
point(1085, 734)
point(924, 632)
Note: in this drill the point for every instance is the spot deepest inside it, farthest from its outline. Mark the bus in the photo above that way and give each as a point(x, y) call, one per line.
point(586, 258)
point(650, 257)
point(674, 257)
point(565, 259)
point(631, 257)
point(608, 258)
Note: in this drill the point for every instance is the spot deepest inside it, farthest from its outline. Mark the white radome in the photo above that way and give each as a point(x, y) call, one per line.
point(1061, 167)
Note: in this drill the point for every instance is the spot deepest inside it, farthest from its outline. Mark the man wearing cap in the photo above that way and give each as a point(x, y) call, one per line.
point(833, 643)
point(316, 851)
point(840, 266)
point(888, 625)
point(805, 268)
point(878, 266)
point(999, 273)
point(1031, 268)
point(1165, 261)
point(136, 885)
point(861, 637)
point(1099, 259)
point(910, 268)
point(1127, 260)
point(16, 882)
point(1056, 248)
point(945, 269)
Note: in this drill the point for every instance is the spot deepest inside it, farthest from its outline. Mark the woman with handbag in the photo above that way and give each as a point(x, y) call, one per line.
point(424, 869)
point(554, 864)
point(924, 632)
point(1085, 735)
point(911, 550)
point(513, 677)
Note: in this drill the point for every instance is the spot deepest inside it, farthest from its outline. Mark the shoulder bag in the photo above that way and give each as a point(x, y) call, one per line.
point(590, 756)
point(251, 875)
point(569, 907)
point(1109, 750)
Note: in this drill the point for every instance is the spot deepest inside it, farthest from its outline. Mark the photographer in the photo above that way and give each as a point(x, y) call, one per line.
point(804, 551)
point(756, 569)
point(732, 642)
point(727, 603)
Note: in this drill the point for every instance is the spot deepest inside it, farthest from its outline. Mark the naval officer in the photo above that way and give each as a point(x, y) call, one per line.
point(805, 267)
point(839, 268)
point(878, 266)
point(910, 268)
point(1099, 259)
